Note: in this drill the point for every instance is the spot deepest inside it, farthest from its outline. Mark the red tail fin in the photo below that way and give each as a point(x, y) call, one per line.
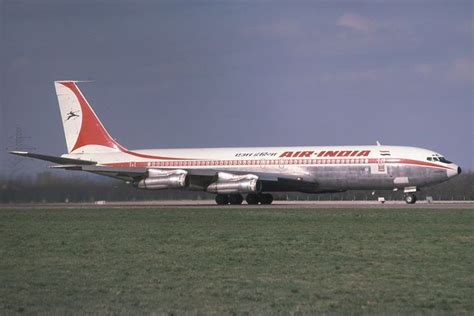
point(83, 130)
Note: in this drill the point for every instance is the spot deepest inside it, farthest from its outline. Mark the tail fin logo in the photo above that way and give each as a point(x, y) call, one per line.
point(72, 114)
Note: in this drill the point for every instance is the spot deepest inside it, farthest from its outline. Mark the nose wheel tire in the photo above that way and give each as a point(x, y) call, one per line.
point(410, 198)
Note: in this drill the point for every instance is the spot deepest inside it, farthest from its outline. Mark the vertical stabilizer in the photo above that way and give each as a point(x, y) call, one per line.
point(82, 128)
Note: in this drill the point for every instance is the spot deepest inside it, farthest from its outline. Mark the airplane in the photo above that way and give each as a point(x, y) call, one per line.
point(231, 173)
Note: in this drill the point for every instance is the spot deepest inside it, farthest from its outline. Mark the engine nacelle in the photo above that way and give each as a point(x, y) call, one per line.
point(239, 186)
point(163, 179)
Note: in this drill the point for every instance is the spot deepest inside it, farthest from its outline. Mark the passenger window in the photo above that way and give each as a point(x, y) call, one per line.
point(429, 159)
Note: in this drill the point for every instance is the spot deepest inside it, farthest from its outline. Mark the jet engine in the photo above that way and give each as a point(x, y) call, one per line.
point(228, 183)
point(163, 179)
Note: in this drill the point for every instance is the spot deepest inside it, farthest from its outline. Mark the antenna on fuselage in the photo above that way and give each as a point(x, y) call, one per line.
point(378, 143)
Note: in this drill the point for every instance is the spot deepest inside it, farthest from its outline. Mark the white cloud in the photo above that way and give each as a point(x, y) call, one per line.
point(463, 68)
point(459, 69)
point(19, 63)
point(356, 22)
point(279, 29)
point(469, 26)
point(359, 76)
point(423, 69)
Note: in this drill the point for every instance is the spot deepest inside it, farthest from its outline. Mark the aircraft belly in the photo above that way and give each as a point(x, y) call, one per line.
point(314, 179)
point(341, 178)
point(362, 177)
point(417, 176)
point(347, 177)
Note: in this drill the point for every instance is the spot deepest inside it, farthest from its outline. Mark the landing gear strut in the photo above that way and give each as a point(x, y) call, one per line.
point(410, 198)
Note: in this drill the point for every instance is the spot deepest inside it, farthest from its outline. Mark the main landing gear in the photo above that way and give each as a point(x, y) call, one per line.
point(237, 199)
point(262, 198)
point(410, 198)
point(224, 199)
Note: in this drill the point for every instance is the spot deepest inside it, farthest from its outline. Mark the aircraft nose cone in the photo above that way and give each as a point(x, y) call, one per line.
point(453, 171)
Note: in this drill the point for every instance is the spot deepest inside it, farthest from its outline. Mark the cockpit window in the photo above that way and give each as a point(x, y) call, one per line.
point(438, 158)
point(442, 159)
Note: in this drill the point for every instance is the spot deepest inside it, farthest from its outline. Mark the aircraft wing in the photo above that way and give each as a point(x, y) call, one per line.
point(126, 174)
point(55, 159)
point(202, 177)
point(122, 173)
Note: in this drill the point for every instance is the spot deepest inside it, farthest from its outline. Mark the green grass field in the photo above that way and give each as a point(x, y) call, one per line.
point(236, 261)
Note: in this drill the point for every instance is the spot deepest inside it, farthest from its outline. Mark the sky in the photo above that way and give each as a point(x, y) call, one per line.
point(241, 73)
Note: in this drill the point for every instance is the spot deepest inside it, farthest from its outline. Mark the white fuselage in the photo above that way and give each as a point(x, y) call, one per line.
point(230, 172)
point(332, 167)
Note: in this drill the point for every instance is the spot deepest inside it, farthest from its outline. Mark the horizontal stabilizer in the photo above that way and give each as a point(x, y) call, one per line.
point(55, 159)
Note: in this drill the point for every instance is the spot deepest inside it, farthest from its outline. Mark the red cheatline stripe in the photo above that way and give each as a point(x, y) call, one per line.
point(210, 163)
point(410, 162)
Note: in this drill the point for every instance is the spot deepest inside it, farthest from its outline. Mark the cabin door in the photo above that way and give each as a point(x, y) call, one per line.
point(379, 167)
